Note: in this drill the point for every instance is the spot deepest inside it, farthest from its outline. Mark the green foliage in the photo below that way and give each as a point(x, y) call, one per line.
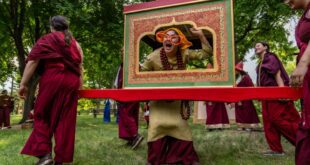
point(86, 105)
point(263, 20)
point(98, 26)
point(144, 51)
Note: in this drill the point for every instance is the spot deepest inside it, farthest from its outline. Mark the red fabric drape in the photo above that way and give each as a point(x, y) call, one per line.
point(210, 94)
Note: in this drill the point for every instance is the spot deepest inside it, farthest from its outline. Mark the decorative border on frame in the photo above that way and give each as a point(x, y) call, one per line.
point(148, 23)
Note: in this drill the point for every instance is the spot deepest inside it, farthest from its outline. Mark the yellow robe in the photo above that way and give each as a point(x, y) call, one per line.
point(165, 117)
point(153, 62)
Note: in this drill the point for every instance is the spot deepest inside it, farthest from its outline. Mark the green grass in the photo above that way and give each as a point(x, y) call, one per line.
point(98, 143)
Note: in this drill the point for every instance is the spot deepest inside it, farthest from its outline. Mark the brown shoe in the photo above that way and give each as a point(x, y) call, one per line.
point(136, 142)
point(45, 160)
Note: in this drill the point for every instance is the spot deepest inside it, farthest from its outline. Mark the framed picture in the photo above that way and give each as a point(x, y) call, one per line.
point(213, 17)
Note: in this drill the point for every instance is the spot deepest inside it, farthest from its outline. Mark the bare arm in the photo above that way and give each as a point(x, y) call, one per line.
point(206, 47)
point(299, 73)
point(28, 72)
point(204, 42)
point(305, 59)
point(279, 79)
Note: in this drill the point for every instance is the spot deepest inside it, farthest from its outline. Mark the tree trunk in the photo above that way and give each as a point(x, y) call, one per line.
point(97, 105)
point(29, 102)
point(12, 84)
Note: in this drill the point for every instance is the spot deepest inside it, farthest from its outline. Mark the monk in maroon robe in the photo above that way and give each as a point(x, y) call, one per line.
point(280, 117)
point(57, 57)
point(217, 117)
point(6, 107)
point(301, 77)
point(128, 113)
point(246, 115)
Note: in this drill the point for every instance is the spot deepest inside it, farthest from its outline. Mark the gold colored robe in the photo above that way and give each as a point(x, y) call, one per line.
point(165, 118)
point(153, 62)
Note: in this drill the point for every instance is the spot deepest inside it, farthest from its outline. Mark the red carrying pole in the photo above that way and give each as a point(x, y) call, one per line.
point(197, 94)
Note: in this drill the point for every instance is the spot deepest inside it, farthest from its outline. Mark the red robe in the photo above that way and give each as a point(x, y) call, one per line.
point(6, 107)
point(216, 115)
point(303, 136)
point(246, 115)
point(169, 150)
point(128, 113)
point(279, 117)
point(56, 104)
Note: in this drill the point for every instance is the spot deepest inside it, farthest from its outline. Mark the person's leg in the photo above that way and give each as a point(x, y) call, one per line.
point(180, 151)
point(7, 118)
point(302, 152)
point(39, 142)
point(1, 118)
point(63, 121)
point(273, 136)
point(65, 132)
point(286, 120)
point(128, 123)
point(156, 151)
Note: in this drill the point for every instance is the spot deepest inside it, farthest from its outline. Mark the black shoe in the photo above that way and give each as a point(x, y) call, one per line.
point(45, 160)
point(136, 142)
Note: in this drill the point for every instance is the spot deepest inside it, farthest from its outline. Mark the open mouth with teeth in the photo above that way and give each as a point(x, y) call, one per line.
point(168, 46)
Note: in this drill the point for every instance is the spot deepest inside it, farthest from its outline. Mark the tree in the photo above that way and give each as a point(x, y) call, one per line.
point(22, 18)
point(262, 21)
point(98, 27)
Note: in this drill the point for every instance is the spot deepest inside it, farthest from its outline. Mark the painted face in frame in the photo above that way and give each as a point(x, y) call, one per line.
point(171, 41)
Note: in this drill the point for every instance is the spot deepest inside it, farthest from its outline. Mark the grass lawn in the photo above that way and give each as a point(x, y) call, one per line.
point(98, 143)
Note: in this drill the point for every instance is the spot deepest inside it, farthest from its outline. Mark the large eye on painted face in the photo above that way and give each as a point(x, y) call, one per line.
point(173, 37)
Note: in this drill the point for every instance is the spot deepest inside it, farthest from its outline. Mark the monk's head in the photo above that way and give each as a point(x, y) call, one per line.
point(297, 4)
point(173, 39)
point(261, 48)
point(59, 23)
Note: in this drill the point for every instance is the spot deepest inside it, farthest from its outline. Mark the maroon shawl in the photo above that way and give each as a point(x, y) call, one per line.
point(270, 65)
point(53, 46)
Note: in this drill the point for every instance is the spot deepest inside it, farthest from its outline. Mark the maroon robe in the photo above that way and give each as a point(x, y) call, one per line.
point(169, 150)
point(56, 104)
point(6, 107)
point(303, 136)
point(246, 115)
point(279, 117)
point(128, 113)
point(216, 115)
